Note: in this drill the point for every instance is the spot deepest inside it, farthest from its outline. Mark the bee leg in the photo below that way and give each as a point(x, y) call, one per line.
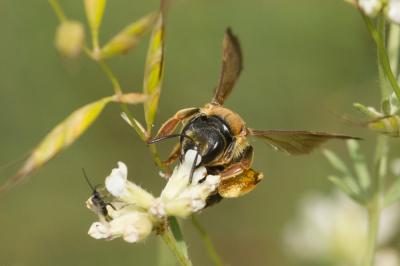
point(243, 162)
point(112, 206)
point(171, 124)
point(239, 185)
point(174, 155)
point(238, 178)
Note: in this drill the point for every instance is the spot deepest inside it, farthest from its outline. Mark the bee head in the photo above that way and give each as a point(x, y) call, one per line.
point(208, 135)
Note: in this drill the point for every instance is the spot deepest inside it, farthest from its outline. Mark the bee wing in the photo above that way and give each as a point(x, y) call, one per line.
point(239, 185)
point(295, 142)
point(231, 67)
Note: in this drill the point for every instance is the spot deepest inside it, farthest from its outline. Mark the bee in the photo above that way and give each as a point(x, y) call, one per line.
point(97, 200)
point(220, 136)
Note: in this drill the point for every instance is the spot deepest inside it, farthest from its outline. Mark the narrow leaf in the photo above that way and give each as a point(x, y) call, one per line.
point(128, 37)
point(94, 12)
point(64, 134)
point(177, 233)
point(154, 72)
point(342, 184)
point(336, 162)
point(369, 111)
point(360, 166)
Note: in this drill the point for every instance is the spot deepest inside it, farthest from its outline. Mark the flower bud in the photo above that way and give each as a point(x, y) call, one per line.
point(94, 12)
point(69, 38)
point(128, 37)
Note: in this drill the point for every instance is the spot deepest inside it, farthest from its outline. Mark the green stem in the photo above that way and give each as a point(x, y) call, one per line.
point(212, 253)
point(373, 225)
point(382, 55)
point(58, 10)
point(171, 242)
point(111, 76)
point(393, 47)
point(385, 66)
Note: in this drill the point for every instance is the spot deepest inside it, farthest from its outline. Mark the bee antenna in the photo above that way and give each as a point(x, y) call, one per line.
point(155, 140)
point(87, 179)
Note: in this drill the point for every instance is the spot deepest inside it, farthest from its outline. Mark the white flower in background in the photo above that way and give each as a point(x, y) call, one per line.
point(393, 11)
point(134, 212)
point(370, 7)
point(334, 228)
point(387, 257)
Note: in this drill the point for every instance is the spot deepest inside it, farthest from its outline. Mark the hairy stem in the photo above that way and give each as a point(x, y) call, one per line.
point(212, 253)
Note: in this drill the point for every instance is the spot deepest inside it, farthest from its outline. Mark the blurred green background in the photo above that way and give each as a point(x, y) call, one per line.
point(303, 60)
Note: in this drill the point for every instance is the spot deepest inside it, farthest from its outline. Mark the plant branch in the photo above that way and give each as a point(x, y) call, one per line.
point(378, 37)
point(171, 242)
point(212, 253)
point(385, 66)
point(58, 10)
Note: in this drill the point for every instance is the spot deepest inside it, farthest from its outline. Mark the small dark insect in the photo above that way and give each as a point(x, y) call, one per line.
point(219, 135)
point(97, 200)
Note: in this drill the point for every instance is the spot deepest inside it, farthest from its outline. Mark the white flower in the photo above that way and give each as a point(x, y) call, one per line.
point(370, 7)
point(134, 212)
point(133, 226)
point(334, 227)
point(387, 257)
point(99, 230)
point(119, 186)
point(393, 11)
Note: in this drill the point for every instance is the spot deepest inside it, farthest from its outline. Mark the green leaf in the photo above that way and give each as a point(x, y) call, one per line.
point(154, 72)
point(94, 13)
point(336, 162)
point(66, 133)
point(369, 111)
point(348, 186)
point(128, 37)
point(360, 165)
point(393, 194)
point(177, 233)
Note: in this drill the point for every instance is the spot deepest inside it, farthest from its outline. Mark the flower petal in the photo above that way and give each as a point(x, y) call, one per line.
point(370, 7)
point(180, 177)
point(393, 11)
point(117, 180)
point(99, 230)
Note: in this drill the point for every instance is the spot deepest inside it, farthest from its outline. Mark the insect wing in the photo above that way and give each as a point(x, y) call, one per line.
point(295, 142)
point(231, 67)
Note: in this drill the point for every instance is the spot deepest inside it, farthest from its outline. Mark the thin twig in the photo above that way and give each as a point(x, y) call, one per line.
point(212, 252)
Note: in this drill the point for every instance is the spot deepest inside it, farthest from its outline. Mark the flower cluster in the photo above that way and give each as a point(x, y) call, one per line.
point(333, 228)
point(133, 213)
point(390, 7)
